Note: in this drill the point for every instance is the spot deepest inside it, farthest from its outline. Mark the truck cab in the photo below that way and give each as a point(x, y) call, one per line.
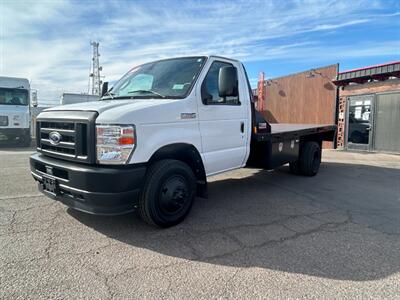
point(153, 139)
point(15, 110)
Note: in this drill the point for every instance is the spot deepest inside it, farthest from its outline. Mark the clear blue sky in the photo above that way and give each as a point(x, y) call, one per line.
point(48, 41)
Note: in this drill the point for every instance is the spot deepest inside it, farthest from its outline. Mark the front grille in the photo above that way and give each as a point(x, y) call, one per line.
point(72, 142)
point(67, 138)
point(58, 149)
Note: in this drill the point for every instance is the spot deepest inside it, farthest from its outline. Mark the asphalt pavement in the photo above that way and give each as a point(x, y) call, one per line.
point(259, 234)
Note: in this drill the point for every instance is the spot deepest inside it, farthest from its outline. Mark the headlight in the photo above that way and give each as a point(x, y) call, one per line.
point(114, 143)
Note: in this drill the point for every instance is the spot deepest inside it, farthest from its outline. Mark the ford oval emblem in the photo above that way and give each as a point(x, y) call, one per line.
point(54, 137)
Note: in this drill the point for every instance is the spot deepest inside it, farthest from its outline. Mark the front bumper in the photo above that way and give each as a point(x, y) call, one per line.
point(12, 133)
point(100, 190)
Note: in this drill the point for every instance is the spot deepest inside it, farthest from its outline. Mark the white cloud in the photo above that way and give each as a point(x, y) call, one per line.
point(48, 41)
point(339, 25)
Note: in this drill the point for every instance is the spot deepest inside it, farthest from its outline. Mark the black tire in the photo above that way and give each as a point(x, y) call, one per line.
point(168, 193)
point(310, 158)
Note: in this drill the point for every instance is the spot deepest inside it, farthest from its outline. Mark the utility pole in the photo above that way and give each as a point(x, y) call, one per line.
point(95, 71)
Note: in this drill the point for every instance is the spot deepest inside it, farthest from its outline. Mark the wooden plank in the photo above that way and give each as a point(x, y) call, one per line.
point(298, 99)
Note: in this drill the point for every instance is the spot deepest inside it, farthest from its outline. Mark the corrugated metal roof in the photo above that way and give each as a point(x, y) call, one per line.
point(362, 75)
point(370, 67)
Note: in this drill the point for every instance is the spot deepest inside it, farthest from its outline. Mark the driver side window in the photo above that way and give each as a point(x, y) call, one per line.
point(209, 87)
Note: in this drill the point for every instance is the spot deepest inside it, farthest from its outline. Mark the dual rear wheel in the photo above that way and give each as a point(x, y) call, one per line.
point(309, 160)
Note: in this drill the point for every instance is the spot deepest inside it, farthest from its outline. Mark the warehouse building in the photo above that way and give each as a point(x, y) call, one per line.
point(369, 108)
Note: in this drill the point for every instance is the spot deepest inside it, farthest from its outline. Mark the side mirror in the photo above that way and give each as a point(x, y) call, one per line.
point(104, 88)
point(255, 98)
point(34, 99)
point(227, 82)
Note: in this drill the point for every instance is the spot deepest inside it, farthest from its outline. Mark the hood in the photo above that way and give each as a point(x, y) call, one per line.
point(104, 105)
point(133, 110)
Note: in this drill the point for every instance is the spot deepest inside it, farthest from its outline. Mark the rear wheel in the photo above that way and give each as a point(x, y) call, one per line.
point(310, 158)
point(168, 193)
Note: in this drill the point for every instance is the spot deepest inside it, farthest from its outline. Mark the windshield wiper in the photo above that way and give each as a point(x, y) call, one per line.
point(110, 94)
point(147, 91)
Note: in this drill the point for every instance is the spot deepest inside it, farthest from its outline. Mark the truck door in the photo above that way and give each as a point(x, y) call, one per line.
point(223, 123)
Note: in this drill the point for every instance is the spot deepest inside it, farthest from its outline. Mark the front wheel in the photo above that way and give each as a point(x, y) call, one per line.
point(168, 193)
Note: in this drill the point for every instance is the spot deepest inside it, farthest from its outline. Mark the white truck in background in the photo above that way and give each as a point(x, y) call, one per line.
point(15, 120)
point(72, 98)
point(152, 140)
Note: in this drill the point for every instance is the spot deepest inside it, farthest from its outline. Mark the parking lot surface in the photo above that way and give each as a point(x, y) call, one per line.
point(259, 234)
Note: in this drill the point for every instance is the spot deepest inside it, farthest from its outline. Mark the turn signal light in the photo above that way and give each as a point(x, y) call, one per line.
point(126, 140)
point(114, 143)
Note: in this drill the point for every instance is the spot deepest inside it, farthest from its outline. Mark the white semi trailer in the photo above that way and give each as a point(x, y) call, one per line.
point(14, 110)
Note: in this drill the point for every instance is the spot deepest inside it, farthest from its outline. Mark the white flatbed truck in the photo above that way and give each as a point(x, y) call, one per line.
point(152, 140)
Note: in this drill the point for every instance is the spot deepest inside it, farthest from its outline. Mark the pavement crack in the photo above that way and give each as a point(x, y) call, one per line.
point(228, 282)
point(282, 240)
point(20, 196)
point(105, 279)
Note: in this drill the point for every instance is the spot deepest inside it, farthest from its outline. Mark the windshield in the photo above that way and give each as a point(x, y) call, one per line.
point(170, 78)
point(13, 96)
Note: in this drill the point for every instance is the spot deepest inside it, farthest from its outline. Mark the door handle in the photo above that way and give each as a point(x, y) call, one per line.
point(242, 127)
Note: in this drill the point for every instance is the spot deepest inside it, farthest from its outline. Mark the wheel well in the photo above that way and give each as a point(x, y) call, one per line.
point(310, 138)
point(188, 154)
point(318, 137)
